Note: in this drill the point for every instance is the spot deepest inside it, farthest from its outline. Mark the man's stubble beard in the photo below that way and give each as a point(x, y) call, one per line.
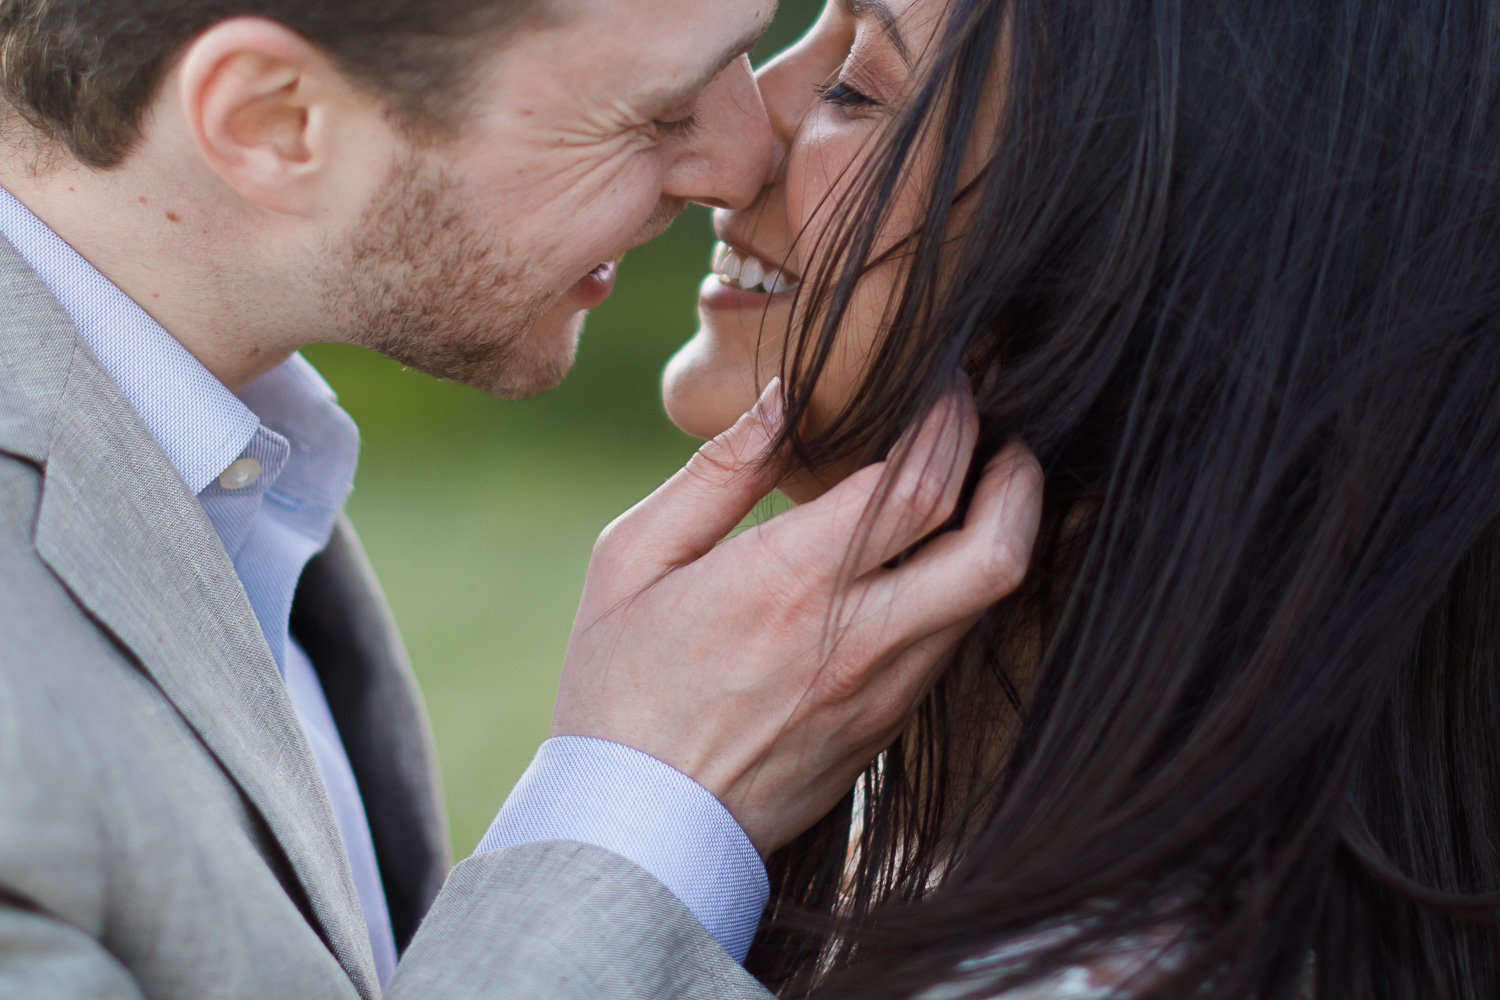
point(416, 281)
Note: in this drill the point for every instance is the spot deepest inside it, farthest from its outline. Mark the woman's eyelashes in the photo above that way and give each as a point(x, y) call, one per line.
point(841, 94)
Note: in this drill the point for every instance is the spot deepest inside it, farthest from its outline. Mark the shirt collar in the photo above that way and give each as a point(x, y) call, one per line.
point(198, 422)
point(293, 402)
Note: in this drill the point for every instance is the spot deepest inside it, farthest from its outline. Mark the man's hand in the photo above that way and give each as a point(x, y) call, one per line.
point(773, 667)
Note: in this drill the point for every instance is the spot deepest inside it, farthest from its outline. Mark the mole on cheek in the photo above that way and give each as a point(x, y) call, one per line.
point(173, 217)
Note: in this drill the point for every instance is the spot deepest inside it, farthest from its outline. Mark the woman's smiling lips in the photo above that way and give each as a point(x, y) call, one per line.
point(743, 278)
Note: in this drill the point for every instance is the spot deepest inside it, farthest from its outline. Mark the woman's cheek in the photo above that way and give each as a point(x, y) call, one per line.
point(855, 345)
point(820, 171)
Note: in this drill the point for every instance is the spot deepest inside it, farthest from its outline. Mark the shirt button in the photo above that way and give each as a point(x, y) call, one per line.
point(240, 474)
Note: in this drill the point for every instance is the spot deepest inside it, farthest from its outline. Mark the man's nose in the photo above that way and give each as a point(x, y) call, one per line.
point(728, 159)
point(786, 92)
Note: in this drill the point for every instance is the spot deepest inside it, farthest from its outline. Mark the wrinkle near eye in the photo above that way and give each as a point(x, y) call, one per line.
point(615, 120)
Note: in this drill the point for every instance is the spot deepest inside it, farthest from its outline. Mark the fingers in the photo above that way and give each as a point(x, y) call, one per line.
point(723, 481)
point(886, 508)
point(912, 674)
point(957, 575)
point(929, 478)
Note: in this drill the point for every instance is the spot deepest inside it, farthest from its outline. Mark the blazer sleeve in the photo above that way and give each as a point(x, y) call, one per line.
point(48, 957)
point(567, 922)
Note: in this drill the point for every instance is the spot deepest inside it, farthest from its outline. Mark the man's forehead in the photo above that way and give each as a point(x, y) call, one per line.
point(681, 44)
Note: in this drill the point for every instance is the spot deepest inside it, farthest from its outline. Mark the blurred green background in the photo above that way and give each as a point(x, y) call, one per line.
point(479, 514)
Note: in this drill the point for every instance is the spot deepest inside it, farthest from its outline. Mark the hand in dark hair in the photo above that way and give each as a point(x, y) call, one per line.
point(1231, 270)
point(832, 659)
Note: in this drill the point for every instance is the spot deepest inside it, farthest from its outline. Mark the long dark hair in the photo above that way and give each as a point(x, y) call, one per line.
point(1232, 270)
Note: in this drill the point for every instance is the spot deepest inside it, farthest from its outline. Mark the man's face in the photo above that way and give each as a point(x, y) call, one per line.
point(585, 136)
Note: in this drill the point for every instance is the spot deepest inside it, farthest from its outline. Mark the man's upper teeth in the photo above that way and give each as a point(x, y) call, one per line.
point(741, 270)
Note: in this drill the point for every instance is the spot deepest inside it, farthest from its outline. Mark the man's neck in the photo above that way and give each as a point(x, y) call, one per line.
point(158, 246)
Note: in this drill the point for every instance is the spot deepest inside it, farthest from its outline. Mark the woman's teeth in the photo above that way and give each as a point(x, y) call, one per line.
point(740, 270)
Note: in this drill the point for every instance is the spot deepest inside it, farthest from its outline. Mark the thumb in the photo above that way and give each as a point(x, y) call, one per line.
point(723, 481)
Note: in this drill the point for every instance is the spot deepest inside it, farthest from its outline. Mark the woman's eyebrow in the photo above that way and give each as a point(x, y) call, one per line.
point(883, 15)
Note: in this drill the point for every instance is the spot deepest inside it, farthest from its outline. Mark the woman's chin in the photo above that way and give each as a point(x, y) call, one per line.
point(693, 420)
point(704, 399)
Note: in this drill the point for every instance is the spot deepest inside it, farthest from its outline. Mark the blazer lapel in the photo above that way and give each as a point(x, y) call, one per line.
point(120, 529)
point(342, 622)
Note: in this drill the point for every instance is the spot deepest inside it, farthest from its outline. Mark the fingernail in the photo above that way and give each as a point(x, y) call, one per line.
point(770, 407)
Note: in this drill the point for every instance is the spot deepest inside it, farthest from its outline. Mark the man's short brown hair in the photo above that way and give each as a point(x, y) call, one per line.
point(82, 72)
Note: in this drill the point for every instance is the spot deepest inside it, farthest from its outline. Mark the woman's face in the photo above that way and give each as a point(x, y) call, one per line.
point(829, 97)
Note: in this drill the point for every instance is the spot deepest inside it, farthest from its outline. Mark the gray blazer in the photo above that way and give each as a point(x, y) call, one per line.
point(163, 829)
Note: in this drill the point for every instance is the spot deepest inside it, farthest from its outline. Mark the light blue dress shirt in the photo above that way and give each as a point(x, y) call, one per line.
point(304, 449)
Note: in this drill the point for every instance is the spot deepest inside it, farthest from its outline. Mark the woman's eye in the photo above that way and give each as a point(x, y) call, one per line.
point(845, 96)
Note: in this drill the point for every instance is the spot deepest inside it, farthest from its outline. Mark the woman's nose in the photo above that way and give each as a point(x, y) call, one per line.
point(727, 161)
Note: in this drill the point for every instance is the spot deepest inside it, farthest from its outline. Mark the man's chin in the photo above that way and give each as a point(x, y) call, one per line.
point(539, 360)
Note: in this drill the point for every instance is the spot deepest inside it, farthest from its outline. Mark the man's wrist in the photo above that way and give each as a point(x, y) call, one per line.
point(597, 792)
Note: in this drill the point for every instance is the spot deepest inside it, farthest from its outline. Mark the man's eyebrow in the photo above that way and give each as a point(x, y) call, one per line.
point(881, 12)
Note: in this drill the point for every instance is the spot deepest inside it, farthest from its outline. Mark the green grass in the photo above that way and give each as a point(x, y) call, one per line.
point(482, 558)
point(479, 514)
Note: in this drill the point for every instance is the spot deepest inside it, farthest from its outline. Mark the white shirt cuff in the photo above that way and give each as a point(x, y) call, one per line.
point(593, 791)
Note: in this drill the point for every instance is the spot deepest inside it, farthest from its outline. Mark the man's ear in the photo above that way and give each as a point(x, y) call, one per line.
point(272, 114)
